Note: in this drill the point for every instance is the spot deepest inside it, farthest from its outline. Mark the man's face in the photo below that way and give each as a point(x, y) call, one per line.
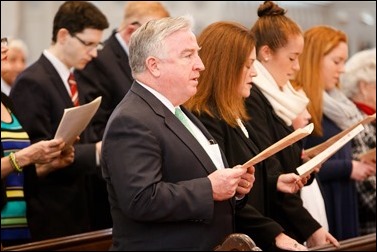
point(81, 48)
point(181, 68)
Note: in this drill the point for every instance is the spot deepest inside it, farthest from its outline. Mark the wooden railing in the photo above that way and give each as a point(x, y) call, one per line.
point(101, 241)
point(92, 241)
point(361, 243)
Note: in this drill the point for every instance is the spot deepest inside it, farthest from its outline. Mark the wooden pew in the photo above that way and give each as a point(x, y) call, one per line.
point(237, 242)
point(92, 241)
point(101, 241)
point(361, 243)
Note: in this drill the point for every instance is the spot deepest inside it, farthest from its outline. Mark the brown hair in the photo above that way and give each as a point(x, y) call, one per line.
point(273, 28)
point(76, 16)
point(225, 48)
point(319, 41)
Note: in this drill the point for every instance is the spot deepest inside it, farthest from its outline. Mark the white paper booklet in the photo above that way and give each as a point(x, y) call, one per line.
point(75, 120)
point(320, 147)
point(309, 166)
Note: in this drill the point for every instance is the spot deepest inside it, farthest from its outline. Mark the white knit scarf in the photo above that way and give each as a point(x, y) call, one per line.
point(340, 109)
point(287, 103)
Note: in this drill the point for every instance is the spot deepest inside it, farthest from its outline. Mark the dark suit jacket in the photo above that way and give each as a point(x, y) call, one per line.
point(59, 206)
point(108, 75)
point(156, 171)
point(252, 219)
point(289, 211)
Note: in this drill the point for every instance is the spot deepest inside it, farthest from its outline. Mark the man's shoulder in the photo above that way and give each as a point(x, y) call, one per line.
point(37, 71)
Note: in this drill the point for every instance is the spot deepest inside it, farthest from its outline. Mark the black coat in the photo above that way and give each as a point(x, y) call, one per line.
point(109, 76)
point(253, 218)
point(289, 210)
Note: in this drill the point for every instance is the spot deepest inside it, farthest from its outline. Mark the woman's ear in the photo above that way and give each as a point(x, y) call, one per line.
point(264, 53)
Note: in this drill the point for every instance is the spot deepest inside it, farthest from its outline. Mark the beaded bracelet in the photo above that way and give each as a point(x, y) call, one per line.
point(13, 162)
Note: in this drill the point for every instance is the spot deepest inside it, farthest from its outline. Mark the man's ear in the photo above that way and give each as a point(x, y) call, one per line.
point(152, 65)
point(62, 35)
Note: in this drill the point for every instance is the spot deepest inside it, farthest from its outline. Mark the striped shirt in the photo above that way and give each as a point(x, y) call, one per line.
point(14, 226)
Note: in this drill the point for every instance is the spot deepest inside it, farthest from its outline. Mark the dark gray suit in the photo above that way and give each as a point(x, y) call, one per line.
point(156, 173)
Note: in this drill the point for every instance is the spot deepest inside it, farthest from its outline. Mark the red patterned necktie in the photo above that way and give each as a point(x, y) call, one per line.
point(73, 86)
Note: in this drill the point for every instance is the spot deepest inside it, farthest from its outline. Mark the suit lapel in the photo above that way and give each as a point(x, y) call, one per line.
point(177, 127)
point(56, 81)
point(248, 141)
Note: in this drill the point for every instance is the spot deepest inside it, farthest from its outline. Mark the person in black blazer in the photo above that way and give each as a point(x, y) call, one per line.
point(273, 104)
point(109, 75)
point(40, 95)
point(167, 182)
point(219, 104)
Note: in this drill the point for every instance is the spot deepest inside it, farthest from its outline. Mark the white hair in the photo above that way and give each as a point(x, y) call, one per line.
point(148, 40)
point(18, 44)
point(360, 67)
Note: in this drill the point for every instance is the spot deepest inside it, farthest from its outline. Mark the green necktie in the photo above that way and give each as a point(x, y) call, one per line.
point(181, 116)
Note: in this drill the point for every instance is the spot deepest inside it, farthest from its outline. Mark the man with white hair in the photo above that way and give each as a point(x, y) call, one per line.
point(359, 85)
point(168, 185)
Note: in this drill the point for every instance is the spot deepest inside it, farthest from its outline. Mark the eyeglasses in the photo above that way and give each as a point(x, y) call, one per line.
point(90, 45)
point(4, 42)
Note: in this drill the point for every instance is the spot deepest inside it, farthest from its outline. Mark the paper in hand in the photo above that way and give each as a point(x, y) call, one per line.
point(75, 120)
point(281, 144)
point(308, 167)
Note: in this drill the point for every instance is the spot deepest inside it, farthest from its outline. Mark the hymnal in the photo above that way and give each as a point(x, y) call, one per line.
point(308, 167)
point(281, 144)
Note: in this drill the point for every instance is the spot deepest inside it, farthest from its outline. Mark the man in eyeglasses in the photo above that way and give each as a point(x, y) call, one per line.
point(109, 75)
point(58, 202)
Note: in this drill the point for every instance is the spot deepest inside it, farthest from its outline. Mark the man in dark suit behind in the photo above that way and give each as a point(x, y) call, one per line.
point(58, 205)
point(109, 75)
point(168, 186)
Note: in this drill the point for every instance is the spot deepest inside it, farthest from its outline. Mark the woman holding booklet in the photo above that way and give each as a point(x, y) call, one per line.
point(322, 62)
point(272, 105)
point(220, 104)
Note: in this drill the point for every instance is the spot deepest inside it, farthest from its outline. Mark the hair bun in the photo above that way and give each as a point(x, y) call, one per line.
point(269, 8)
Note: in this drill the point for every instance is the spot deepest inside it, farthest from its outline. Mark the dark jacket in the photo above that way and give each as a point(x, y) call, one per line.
point(252, 219)
point(40, 97)
point(289, 211)
point(108, 75)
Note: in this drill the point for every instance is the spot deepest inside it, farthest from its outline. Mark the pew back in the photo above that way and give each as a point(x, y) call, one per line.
point(92, 241)
point(361, 243)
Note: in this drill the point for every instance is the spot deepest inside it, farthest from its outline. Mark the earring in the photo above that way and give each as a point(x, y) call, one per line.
point(266, 59)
